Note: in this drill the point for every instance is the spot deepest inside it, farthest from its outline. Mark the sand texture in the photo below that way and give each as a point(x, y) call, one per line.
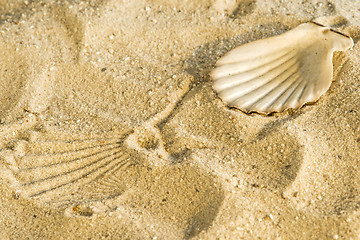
point(110, 129)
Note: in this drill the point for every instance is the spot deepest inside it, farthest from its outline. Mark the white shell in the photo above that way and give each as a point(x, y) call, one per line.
point(281, 72)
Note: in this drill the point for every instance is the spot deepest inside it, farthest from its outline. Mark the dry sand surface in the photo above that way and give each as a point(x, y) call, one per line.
point(110, 129)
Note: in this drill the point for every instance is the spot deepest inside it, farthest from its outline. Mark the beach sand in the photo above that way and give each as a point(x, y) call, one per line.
point(110, 129)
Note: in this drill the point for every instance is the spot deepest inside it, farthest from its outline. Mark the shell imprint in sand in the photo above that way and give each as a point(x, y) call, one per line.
point(61, 169)
point(281, 72)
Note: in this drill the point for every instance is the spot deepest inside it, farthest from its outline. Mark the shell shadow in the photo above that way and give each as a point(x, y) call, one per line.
point(205, 56)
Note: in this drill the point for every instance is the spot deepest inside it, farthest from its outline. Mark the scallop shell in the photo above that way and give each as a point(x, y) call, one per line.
point(281, 72)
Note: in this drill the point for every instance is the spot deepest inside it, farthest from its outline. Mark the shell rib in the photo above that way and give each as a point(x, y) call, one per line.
point(62, 172)
point(281, 72)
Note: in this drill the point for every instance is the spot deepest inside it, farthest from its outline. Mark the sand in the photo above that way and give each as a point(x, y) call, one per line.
point(110, 129)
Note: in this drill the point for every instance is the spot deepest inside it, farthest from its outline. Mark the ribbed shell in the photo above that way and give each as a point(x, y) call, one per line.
point(281, 72)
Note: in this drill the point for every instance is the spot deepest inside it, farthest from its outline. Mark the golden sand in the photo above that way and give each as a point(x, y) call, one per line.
point(110, 128)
